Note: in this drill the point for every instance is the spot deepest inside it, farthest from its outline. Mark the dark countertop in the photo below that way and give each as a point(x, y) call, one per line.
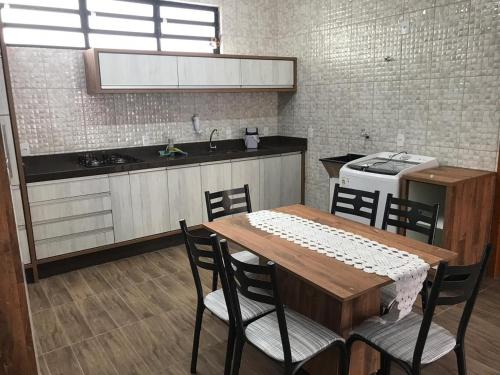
point(60, 166)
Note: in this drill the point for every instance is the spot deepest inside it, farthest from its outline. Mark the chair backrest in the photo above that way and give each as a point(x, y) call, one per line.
point(222, 203)
point(452, 285)
point(356, 202)
point(410, 215)
point(255, 282)
point(200, 253)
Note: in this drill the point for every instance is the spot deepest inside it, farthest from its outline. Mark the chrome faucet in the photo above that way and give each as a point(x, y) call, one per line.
point(211, 146)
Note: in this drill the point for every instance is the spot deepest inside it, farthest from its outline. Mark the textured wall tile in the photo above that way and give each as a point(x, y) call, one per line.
point(387, 46)
point(362, 51)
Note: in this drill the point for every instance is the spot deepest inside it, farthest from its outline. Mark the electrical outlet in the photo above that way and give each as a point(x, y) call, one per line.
point(405, 26)
point(25, 148)
point(400, 140)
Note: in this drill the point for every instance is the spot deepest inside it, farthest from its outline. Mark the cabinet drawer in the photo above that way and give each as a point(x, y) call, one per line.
point(70, 207)
point(23, 245)
point(79, 224)
point(72, 243)
point(44, 191)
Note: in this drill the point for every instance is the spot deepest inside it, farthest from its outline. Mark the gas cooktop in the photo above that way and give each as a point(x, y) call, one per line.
point(102, 159)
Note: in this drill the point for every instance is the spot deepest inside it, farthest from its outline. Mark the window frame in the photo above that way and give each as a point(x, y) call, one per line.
point(85, 29)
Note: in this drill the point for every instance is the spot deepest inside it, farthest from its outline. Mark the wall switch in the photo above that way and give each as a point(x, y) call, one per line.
point(400, 140)
point(146, 140)
point(405, 26)
point(25, 148)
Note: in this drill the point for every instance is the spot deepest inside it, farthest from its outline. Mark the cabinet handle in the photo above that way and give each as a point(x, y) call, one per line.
point(7, 150)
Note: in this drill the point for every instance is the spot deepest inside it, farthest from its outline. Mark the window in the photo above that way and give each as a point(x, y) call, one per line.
point(125, 24)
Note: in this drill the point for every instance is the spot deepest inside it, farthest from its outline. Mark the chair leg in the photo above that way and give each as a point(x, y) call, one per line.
point(424, 294)
point(344, 359)
point(196, 338)
point(229, 350)
point(462, 365)
point(385, 368)
point(238, 352)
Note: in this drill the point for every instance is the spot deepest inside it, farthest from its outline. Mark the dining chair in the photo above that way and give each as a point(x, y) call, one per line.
point(230, 202)
point(283, 335)
point(355, 202)
point(410, 215)
point(200, 251)
point(415, 340)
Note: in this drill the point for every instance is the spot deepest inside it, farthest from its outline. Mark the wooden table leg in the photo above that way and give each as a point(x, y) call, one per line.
point(337, 315)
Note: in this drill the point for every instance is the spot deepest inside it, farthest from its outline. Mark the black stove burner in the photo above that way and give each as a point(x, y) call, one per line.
point(92, 159)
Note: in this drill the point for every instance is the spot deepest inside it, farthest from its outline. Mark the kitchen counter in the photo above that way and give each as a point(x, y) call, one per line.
point(61, 166)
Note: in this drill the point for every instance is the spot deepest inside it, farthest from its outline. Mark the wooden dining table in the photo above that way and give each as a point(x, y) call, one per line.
point(326, 290)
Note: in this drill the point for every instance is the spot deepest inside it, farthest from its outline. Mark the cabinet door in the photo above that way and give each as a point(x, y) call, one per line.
point(22, 238)
point(17, 204)
point(184, 192)
point(150, 203)
point(270, 182)
point(247, 172)
point(206, 72)
point(214, 177)
point(121, 206)
point(267, 73)
point(137, 71)
point(291, 179)
point(8, 145)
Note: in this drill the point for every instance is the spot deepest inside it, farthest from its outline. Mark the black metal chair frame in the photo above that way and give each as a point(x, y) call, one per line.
point(357, 203)
point(459, 284)
point(409, 214)
point(226, 202)
point(236, 279)
point(205, 259)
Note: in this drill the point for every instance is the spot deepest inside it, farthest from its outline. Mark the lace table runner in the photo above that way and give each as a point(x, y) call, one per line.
point(407, 270)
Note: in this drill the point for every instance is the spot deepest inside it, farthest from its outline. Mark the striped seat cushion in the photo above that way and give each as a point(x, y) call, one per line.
point(250, 309)
point(246, 257)
point(306, 336)
point(399, 338)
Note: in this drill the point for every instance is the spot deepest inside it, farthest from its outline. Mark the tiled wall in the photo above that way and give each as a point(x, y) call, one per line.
point(440, 91)
point(55, 113)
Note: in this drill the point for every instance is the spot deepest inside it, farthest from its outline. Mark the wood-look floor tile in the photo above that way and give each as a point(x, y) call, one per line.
point(76, 284)
point(56, 290)
point(177, 290)
point(163, 263)
point(114, 277)
point(73, 323)
point(92, 358)
point(157, 298)
point(48, 332)
point(143, 263)
point(96, 315)
point(155, 355)
point(129, 269)
point(136, 300)
point(63, 362)
point(95, 279)
point(116, 307)
point(121, 354)
point(42, 366)
point(38, 298)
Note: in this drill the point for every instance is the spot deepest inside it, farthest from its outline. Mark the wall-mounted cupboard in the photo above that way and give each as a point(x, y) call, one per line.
point(140, 71)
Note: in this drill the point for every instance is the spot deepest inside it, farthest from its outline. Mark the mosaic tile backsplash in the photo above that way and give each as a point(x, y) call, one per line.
point(438, 94)
point(55, 114)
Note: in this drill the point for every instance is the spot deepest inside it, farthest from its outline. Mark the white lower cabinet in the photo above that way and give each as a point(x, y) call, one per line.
point(121, 206)
point(291, 179)
point(247, 171)
point(214, 177)
point(270, 182)
point(150, 202)
point(184, 187)
point(22, 238)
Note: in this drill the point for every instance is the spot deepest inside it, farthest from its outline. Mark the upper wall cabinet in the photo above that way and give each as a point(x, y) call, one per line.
point(206, 72)
point(120, 71)
point(267, 73)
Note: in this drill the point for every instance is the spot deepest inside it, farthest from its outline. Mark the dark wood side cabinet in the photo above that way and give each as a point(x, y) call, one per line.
point(466, 199)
